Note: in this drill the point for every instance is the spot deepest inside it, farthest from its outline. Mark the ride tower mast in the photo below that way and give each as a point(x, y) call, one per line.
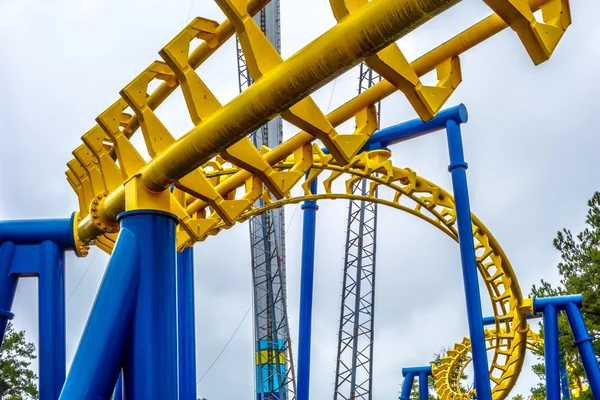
point(275, 374)
point(354, 363)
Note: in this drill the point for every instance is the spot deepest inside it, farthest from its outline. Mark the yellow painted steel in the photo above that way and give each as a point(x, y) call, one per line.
point(217, 132)
point(217, 174)
point(462, 42)
point(453, 365)
point(391, 64)
point(336, 51)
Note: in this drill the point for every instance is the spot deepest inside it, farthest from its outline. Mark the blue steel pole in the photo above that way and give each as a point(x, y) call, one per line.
point(8, 286)
point(186, 324)
point(551, 353)
point(458, 168)
point(407, 386)
point(423, 386)
point(151, 369)
point(51, 315)
point(101, 352)
point(586, 349)
point(306, 294)
point(564, 378)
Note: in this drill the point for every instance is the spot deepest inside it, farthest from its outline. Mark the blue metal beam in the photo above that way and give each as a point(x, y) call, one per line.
point(52, 322)
point(409, 373)
point(583, 341)
point(551, 352)
point(150, 372)
point(407, 386)
point(35, 231)
point(186, 324)
point(306, 294)
point(8, 286)
point(458, 168)
point(101, 351)
point(415, 128)
point(417, 370)
point(559, 302)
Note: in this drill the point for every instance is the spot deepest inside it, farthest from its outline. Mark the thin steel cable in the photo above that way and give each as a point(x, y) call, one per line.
point(226, 344)
point(83, 276)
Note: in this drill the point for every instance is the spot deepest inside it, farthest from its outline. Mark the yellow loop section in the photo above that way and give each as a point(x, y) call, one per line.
point(458, 358)
point(403, 189)
point(448, 374)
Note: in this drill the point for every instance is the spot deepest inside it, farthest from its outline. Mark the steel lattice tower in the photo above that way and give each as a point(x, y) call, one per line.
point(354, 369)
point(275, 374)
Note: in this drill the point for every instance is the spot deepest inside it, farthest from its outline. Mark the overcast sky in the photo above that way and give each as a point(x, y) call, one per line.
point(531, 145)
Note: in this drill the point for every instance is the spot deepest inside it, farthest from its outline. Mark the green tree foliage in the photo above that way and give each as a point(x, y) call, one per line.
point(17, 381)
point(579, 270)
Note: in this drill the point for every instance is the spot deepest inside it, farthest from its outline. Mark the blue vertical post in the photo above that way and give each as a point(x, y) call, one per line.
point(564, 378)
point(8, 286)
point(551, 353)
point(51, 316)
point(458, 168)
point(150, 372)
point(306, 294)
point(186, 324)
point(410, 373)
point(107, 334)
point(423, 386)
point(586, 349)
point(407, 386)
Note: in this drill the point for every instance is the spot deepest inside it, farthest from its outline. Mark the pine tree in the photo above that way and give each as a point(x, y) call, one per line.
point(580, 274)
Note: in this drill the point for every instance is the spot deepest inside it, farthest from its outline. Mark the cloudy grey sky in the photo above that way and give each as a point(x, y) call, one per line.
point(530, 143)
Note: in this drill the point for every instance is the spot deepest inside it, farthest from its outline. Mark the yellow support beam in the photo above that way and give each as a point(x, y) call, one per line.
point(459, 44)
point(336, 51)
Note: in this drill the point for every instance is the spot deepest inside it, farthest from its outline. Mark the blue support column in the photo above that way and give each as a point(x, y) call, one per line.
point(306, 294)
point(150, 372)
point(186, 324)
point(551, 352)
point(407, 386)
point(564, 378)
point(410, 373)
point(458, 168)
point(8, 286)
point(584, 343)
point(51, 316)
point(26, 232)
point(423, 386)
point(101, 351)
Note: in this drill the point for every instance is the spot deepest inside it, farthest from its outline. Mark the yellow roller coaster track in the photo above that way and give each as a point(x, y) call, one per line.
point(453, 365)
point(217, 174)
point(404, 190)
